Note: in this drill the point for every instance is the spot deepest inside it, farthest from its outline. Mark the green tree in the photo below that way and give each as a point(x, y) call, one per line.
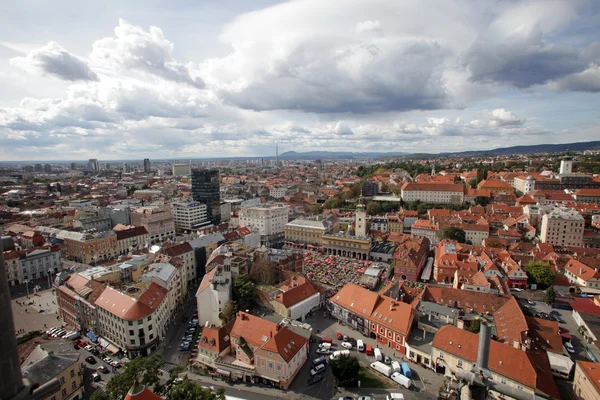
point(345, 370)
point(229, 312)
point(49, 188)
point(473, 183)
point(550, 295)
point(482, 201)
point(474, 326)
point(143, 370)
point(12, 203)
point(188, 390)
point(58, 187)
point(540, 273)
point(373, 208)
point(244, 292)
point(452, 233)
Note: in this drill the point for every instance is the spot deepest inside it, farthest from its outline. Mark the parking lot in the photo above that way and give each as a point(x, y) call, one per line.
point(426, 383)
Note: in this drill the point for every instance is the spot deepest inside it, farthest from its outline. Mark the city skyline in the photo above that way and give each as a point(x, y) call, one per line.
point(181, 80)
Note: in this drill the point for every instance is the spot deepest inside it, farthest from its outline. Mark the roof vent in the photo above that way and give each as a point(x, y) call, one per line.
point(451, 342)
point(500, 362)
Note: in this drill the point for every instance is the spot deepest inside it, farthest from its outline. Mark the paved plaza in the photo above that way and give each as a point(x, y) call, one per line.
point(38, 312)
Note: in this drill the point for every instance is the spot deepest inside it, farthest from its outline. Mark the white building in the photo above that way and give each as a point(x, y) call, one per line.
point(185, 252)
point(135, 325)
point(524, 185)
point(267, 219)
point(182, 170)
point(433, 193)
point(476, 233)
point(168, 277)
point(278, 192)
point(566, 166)
point(158, 221)
point(188, 215)
point(587, 278)
point(212, 295)
point(426, 228)
point(562, 227)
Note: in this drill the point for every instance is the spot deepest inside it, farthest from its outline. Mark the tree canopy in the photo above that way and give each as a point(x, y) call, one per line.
point(540, 273)
point(143, 370)
point(550, 295)
point(188, 390)
point(229, 311)
point(345, 370)
point(244, 292)
point(452, 233)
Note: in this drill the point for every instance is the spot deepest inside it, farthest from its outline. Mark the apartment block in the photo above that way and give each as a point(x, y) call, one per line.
point(562, 227)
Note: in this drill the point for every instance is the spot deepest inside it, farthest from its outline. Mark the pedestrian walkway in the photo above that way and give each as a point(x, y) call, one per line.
point(166, 367)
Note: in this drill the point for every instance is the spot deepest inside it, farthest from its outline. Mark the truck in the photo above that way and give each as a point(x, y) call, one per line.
point(382, 368)
point(406, 370)
point(401, 380)
point(378, 356)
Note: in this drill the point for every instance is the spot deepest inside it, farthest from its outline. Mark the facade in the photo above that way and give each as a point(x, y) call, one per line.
point(189, 216)
point(41, 262)
point(475, 234)
point(294, 298)
point(309, 231)
point(375, 315)
point(135, 325)
point(184, 252)
point(562, 227)
point(131, 238)
point(89, 248)
point(93, 165)
point(370, 188)
point(206, 190)
point(586, 381)
point(158, 222)
point(347, 246)
point(434, 193)
point(181, 170)
point(96, 223)
point(566, 166)
point(169, 278)
point(410, 256)
point(60, 361)
point(147, 165)
point(524, 184)
point(455, 349)
point(12, 267)
point(76, 299)
point(212, 295)
point(267, 219)
point(426, 228)
point(278, 192)
point(585, 277)
point(590, 196)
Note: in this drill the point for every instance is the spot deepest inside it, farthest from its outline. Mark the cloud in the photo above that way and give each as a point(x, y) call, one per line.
point(134, 49)
point(586, 81)
point(368, 26)
point(54, 60)
point(502, 117)
point(342, 129)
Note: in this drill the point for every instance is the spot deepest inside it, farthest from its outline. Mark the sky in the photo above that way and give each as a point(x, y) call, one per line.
point(230, 78)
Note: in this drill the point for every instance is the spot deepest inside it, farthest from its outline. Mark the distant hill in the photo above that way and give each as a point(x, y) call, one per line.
point(533, 149)
point(334, 155)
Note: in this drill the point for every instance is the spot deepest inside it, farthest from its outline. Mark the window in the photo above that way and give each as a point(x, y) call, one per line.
point(74, 385)
point(64, 392)
point(441, 355)
point(151, 336)
point(150, 327)
point(519, 387)
point(459, 363)
point(130, 323)
point(62, 380)
point(149, 317)
point(132, 341)
point(140, 321)
point(72, 373)
point(503, 381)
point(131, 332)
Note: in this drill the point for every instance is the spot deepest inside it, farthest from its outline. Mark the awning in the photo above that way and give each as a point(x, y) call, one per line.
point(109, 347)
point(93, 337)
point(223, 372)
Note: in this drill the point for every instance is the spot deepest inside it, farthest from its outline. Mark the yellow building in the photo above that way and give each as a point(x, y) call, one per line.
point(56, 359)
point(309, 231)
point(347, 246)
point(586, 381)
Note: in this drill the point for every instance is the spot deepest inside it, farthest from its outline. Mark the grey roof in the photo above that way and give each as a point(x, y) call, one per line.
point(306, 223)
point(383, 247)
point(417, 341)
point(49, 367)
point(426, 307)
point(162, 271)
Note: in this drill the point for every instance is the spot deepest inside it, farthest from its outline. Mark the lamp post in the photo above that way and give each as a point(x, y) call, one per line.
point(27, 287)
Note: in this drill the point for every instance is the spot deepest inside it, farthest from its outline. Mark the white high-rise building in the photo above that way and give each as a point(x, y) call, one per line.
point(188, 215)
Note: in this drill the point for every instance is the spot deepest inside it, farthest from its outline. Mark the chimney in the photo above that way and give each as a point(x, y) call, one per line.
point(483, 351)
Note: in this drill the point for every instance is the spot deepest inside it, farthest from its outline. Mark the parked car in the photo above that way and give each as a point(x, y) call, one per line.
point(90, 360)
point(530, 302)
point(320, 360)
point(366, 398)
point(387, 360)
point(88, 347)
point(569, 347)
point(103, 369)
point(96, 377)
point(346, 345)
point(95, 352)
point(318, 369)
point(340, 336)
point(115, 364)
point(323, 351)
point(326, 340)
point(315, 378)
point(346, 398)
point(107, 360)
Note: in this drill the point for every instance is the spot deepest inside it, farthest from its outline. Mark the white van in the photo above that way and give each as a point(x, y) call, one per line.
point(360, 345)
point(401, 380)
point(394, 396)
point(325, 346)
point(337, 354)
point(377, 354)
point(396, 366)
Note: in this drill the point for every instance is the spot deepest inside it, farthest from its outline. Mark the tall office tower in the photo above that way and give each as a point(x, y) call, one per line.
point(93, 165)
point(73, 165)
point(38, 168)
point(126, 168)
point(205, 189)
point(146, 165)
point(47, 168)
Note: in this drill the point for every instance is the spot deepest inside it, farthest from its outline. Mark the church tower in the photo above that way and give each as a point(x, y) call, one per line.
point(360, 219)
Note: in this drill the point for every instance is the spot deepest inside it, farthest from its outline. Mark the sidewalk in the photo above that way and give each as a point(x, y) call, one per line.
point(243, 387)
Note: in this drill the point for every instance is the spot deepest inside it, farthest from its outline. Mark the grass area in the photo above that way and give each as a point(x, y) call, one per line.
point(28, 336)
point(372, 380)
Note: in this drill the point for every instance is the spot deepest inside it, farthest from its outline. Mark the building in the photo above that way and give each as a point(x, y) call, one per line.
point(212, 295)
point(40, 262)
point(141, 392)
point(294, 298)
point(278, 192)
point(158, 222)
point(90, 247)
point(131, 238)
point(347, 245)
point(189, 215)
point(181, 170)
point(566, 166)
point(410, 256)
point(589, 196)
point(427, 229)
point(135, 325)
point(495, 186)
point(58, 360)
point(370, 188)
point(586, 381)
point(118, 214)
point(562, 227)
point(12, 267)
point(375, 315)
point(38, 168)
point(258, 349)
point(267, 219)
point(206, 190)
point(93, 223)
point(524, 184)
point(434, 193)
point(307, 232)
point(586, 278)
point(169, 278)
point(93, 165)
point(76, 298)
point(185, 252)
point(147, 165)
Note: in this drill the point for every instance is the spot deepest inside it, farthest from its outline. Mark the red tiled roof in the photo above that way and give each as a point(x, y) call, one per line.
point(510, 322)
point(132, 232)
point(592, 371)
point(128, 308)
point(297, 294)
point(176, 251)
point(437, 187)
point(141, 393)
point(581, 270)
